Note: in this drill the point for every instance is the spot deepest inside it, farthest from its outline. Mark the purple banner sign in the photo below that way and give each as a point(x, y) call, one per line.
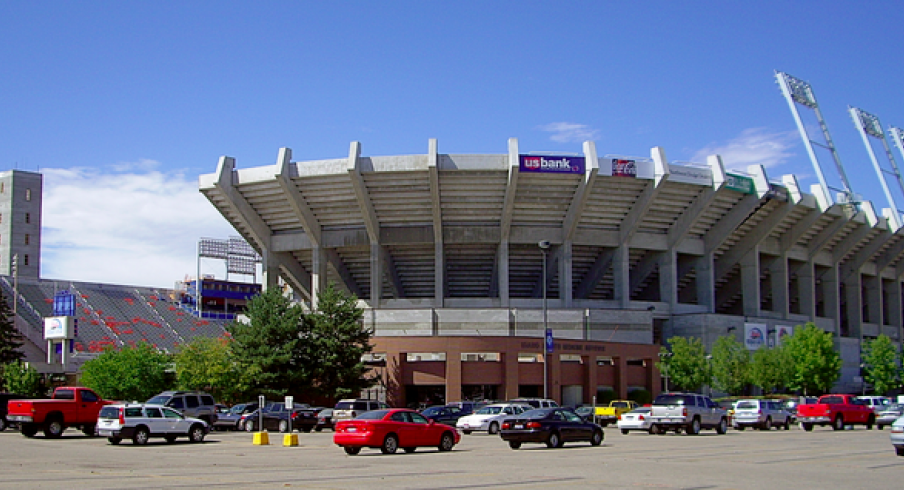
point(549, 164)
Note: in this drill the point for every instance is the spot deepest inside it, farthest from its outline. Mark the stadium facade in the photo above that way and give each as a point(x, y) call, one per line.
point(444, 252)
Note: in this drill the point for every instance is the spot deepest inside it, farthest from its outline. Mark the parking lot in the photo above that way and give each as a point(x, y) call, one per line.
point(751, 459)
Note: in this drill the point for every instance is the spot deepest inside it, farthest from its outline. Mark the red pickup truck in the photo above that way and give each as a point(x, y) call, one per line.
point(69, 407)
point(837, 411)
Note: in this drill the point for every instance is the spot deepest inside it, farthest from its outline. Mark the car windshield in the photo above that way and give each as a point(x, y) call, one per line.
point(641, 410)
point(238, 409)
point(491, 410)
point(432, 411)
point(159, 400)
point(372, 415)
point(109, 413)
point(672, 400)
point(746, 405)
point(344, 405)
point(538, 413)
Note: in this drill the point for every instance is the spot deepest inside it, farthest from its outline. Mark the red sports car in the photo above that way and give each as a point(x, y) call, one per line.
point(392, 429)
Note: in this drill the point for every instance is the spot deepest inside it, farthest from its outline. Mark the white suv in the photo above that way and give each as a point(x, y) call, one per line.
point(489, 418)
point(140, 422)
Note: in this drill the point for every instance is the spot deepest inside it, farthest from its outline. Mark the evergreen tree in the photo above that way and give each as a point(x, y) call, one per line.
point(817, 364)
point(881, 364)
point(269, 348)
point(730, 365)
point(10, 338)
point(130, 374)
point(337, 340)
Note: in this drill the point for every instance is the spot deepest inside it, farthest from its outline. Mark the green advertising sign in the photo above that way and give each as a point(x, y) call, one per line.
point(740, 183)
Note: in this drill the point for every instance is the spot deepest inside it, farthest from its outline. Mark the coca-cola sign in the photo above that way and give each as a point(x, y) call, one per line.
point(551, 164)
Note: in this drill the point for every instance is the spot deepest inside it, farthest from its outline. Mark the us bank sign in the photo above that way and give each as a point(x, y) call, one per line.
point(551, 164)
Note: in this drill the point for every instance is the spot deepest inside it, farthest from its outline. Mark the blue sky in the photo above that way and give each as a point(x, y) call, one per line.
point(122, 104)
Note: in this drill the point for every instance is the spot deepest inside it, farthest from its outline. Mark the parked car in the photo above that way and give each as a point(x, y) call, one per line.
point(889, 415)
point(687, 411)
point(489, 418)
point(468, 407)
point(196, 404)
point(835, 411)
point(443, 414)
point(324, 420)
point(142, 421)
point(276, 417)
point(897, 436)
point(552, 426)
point(536, 402)
point(610, 413)
point(350, 408)
point(304, 417)
point(791, 405)
point(233, 418)
point(390, 429)
point(877, 403)
point(762, 414)
point(637, 419)
point(69, 407)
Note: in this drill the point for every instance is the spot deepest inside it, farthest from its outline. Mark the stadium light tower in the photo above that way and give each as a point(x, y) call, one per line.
point(868, 126)
point(798, 92)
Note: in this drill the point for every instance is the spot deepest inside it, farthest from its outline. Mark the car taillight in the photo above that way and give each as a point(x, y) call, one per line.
point(533, 425)
point(122, 416)
point(294, 414)
point(684, 412)
point(897, 430)
point(640, 417)
point(506, 425)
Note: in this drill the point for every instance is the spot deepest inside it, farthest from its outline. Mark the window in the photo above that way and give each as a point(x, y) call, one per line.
point(207, 400)
point(153, 413)
point(192, 402)
point(88, 396)
point(176, 403)
point(28, 217)
point(133, 412)
point(28, 194)
point(26, 259)
point(418, 418)
point(171, 414)
point(27, 238)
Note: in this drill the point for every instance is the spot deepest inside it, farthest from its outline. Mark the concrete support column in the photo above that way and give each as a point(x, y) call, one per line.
point(853, 299)
point(554, 386)
point(872, 286)
point(270, 267)
point(376, 274)
point(668, 278)
point(830, 294)
point(621, 268)
point(510, 389)
point(778, 271)
point(806, 289)
point(502, 267)
point(893, 292)
point(395, 387)
point(566, 286)
point(706, 282)
point(318, 274)
point(439, 280)
point(453, 374)
point(750, 282)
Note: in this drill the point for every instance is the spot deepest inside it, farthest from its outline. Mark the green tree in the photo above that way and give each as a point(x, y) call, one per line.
point(10, 339)
point(206, 364)
point(817, 364)
point(22, 379)
point(337, 339)
point(881, 364)
point(730, 365)
point(134, 373)
point(269, 349)
point(687, 367)
point(771, 369)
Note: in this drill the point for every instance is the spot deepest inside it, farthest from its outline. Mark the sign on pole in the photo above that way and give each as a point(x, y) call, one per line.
point(549, 342)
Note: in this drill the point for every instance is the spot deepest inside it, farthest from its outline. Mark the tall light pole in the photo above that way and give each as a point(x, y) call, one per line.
point(544, 247)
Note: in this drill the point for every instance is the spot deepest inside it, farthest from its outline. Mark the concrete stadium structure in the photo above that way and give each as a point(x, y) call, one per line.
point(438, 246)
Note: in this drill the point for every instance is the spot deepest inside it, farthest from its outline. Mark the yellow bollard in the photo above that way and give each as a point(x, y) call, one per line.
point(290, 440)
point(261, 439)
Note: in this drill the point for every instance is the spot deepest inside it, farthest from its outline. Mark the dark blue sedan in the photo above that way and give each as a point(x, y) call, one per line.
point(552, 426)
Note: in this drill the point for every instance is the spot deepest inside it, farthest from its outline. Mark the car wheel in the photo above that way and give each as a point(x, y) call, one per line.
point(447, 442)
point(114, 440)
point(514, 444)
point(141, 436)
point(306, 430)
point(654, 429)
point(284, 426)
point(879, 426)
point(89, 430)
point(409, 450)
point(249, 425)
point(869, 422)
point(554, 440)
point(899, 451)
point(466, 432)
point(597, 438)
point(3, 424)
point(806, 427)
point(352, 450)
point(838, 424)
point(767, 425)
point(494, 428)
point(28, 430)
point(318, 429)
point(740, 427)
point(53, 428)
point(722, 428)
point(624, 432)
point(390, 444)
point(170, 439)
point(694, 428)
point(196, 433)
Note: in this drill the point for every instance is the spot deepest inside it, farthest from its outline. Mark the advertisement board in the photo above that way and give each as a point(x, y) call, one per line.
point(58, 327)
point(754, 335)
point(690, 175)
point(624, 167)
point(782, 331)
point(551, 164)
point(740, 183)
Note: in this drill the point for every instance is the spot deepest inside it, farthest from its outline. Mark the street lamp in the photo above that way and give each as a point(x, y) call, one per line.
point(663, 359)
point(544, 247)
point(709, 368)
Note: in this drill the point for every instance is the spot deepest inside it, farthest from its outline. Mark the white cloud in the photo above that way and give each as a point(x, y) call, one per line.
point(132, 225)
point(566, 132)
point(755, 146)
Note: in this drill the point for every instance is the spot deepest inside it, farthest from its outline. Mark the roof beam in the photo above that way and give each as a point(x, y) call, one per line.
point(508, 203)
point(631, 223)
point(395, 281)
point(293, 273)
point(595, 274)
point(248, 217)
point(725, 226)
point(704, 199)
point(821, 240)
point(582, 194)
point(334, 258)
point(296, 200)
point(753, 239)
point(433, 172)
point(863, 256)
point(367, 207)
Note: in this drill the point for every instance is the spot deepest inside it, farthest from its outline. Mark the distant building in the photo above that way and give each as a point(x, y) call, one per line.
point(20, 222)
